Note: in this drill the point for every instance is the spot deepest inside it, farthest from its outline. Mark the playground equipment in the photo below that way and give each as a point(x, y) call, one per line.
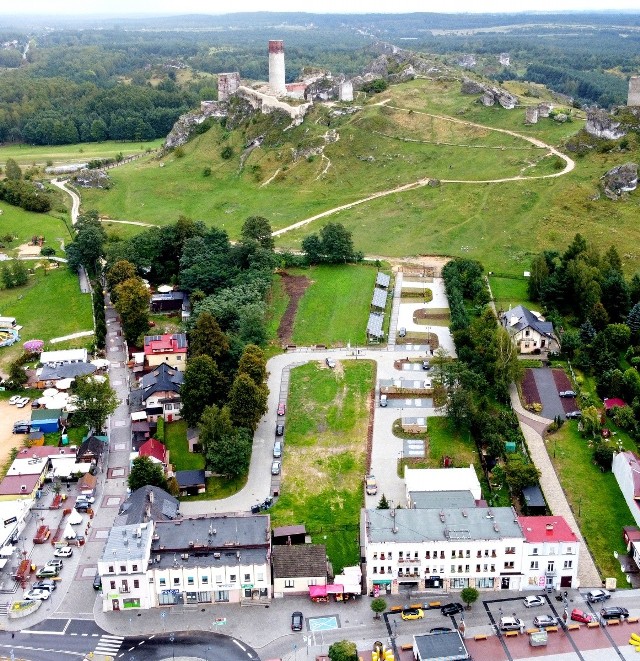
point(8, 336)
point(381, 653)
point(635, 641)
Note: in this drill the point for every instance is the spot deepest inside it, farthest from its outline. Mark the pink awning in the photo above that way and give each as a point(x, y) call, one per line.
point(335, 589)
point(317, 591)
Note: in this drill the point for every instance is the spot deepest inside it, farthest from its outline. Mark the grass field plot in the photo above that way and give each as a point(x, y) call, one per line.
point(325, 454)
point(509, 292)
point(335, 308)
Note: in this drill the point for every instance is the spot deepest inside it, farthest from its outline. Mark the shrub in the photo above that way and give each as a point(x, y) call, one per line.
point(227, 153)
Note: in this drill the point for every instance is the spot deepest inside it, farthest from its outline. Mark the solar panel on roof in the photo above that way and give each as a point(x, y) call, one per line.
point(379, 299)
point(374, 325)
point(383, 279)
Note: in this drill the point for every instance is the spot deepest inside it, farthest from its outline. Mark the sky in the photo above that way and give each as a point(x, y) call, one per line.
point(157, 7)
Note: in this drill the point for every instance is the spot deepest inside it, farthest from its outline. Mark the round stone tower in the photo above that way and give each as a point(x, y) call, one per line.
point(276, 67)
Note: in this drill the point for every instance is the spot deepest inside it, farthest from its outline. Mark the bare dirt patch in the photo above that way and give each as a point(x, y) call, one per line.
point(295, 286)
point(8, 415)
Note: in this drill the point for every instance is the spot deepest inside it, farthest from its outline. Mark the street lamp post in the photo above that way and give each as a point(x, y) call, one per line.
point(172, 638)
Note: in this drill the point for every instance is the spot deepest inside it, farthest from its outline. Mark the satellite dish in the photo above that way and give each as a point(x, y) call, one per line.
point(615, 555)
point(628, 579)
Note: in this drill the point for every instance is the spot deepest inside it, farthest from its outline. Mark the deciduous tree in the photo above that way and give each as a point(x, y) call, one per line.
point(203, 385)
point(122, 270)
point(253, 364)
point(132, 304)
point(247, 402)
point(258, 229)
point(206, 337)
point(143, 472)
point(96, 401)
point(469, 596)
point(343, 650)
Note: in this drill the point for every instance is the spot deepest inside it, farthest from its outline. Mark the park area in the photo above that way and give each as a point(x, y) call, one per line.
point(325, 455)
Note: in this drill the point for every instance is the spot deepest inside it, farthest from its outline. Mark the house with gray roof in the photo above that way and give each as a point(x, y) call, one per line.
point(528, 331)
point(448, 548)
point(148, 503)
point(159, 393)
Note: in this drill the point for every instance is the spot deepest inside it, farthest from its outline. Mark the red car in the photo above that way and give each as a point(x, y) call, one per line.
point(581, 616)
point(282, 407)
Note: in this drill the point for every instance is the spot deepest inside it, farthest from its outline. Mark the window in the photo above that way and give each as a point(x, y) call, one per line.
point(247, 578)
point(389, 570)
point(134, 567)
point(459, 583)
point(459, 569)
point(163, 582)
point(479, 554)
point(568, 564)
point(486, 553)
point(123, 567)
point(259, 576)
point(204, 579)
point(442, 569)
point(510, 550)
point(441, 555)
point(466, 569)
point(232, 578)
point(111, 569)
point(390, 556)
point(218, 578)
point(484, 582)
point(453, 569)
point(113, 585)
point(415, 555)
point(415, 571)
point(485, 568)
point(427, 555)
point(477, 568)
point(375, 555)
point(453, 554)
point(527, 333)
point(190, 580)
point(176, 581)
point(460, 553)
point(534, 564)
point(550, 566)
point(136, 583)
point(375, 569)
point(400, 554)
point(289, 583)
point(569, 549)
point(508, 565)
point(467, 554)
point(535, 550)
point(493, 568)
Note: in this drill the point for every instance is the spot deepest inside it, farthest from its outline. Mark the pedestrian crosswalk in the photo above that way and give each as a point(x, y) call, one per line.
point(109, 645)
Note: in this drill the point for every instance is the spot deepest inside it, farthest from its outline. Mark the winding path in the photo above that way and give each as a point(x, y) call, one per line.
point(569, 166)
point(75, 198)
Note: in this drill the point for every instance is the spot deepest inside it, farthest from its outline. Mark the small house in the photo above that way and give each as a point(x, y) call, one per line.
point(191, 482)
point(46, 420)
point(160, 393)
point(170, 349)
point(297, 567)
point(155, 450)
point(528, 331)
point(92, 449)
point(170, 301)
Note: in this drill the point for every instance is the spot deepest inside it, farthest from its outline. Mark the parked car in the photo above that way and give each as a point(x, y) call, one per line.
point(297, 620)
point(578, 615)
point(402, 331)
point(383, 400)
point(509, 623)
point(277, 449)
point(594, 596)
point(567, 393)
point(37, 595)
point(371, 486)
point(452, 608)
point(21, 427)
point(545, 621)
point(412, 614)
point(536, 600)
point(15, 399)
point(64, 552)
point(573, 415)
point(440, 629)
point(86, 497)
point(97, 582)
point(47, 572)
point(614, 613)
point(427, 384)
point(280, 429)
point(275, 468)
point(22, 402)
point(426, 365)
point(282, 408)
point(57, 563)
point(45, 585)
point(330, 362)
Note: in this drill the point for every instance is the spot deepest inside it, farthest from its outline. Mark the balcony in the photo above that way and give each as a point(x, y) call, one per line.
point(409, 561)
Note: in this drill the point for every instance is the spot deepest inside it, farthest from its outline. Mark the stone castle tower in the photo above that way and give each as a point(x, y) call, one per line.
point(276, 67)
point(228, 84)
point(634, 91)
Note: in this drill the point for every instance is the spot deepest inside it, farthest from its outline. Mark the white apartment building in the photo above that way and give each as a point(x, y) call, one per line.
point(187, 561)
point(550, 554)
point(449, 548)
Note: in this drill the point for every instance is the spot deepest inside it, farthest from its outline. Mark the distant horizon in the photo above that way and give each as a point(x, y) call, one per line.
point(167, 8)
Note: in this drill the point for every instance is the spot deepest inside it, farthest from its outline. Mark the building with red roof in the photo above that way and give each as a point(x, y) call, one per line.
point(550, 553)
point(612, 402)
point(155, 450)
point(170, 348)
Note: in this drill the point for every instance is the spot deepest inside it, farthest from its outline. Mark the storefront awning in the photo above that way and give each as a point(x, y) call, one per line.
point(382, 581)
point(335, 589)
point(316, 591)
point(7, 551)
point(3, 562)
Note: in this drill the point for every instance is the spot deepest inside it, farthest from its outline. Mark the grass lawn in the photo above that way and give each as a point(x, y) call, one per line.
point(595, 497)
point(23, 225)
point(325, 455)
point(75, 434)
point(47, 306)
point(277, 301)
point(176, 442)
point(509, 292)
point(335, 308)
point(27, 155)
point(219, 487)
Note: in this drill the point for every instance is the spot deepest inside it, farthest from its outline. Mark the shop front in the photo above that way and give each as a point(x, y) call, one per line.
point(381, 586)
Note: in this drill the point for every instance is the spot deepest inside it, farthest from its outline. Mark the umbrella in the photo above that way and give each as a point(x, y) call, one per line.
point(64, 384)
point(75, 517)
point(100, 363)
point(50, 392)
point(98, 378)
point(165, 289)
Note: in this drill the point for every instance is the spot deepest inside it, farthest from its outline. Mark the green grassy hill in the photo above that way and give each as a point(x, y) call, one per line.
point(378, 149)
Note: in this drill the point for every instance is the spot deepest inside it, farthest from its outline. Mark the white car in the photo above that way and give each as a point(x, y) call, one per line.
point(536, 600)
point(34, 595)
point(15, 399)
point(22, 402)
point(64, 552)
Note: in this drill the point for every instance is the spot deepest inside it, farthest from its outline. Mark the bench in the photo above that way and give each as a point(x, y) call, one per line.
point(632, 620)
point(554, 628)
point(434, 604)
point(510, 634)
point(415, 606)
point(573, 627)
point(591, 625)
point(612, 622)
point(480, 636)
point(530, 631)
point(408, 647)
point(395, 609)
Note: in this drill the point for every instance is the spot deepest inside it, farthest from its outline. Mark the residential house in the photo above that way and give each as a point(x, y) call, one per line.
point(47, 420)
point(160, 393)
point(156, 451)
point(146, 504)
point(631, 536)
point(19, 487)
point(170, 349)
point(448, 548)
point(191, 482)
point(49, 375)
point(297, 567)
point(529, 332)
point(626, 468)
point(439, 480)
point(64, 356)
point(219, 559)
point(170, 301)
point(91, 449)
point(550, 553)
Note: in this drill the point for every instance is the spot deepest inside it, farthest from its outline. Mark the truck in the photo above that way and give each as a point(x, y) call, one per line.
point(42, 535)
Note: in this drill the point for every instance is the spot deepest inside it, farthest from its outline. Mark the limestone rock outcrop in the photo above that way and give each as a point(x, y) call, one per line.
point(184, 127)
point(92, 179)
point(471, 87)
point(602, 125)
point(619, 180)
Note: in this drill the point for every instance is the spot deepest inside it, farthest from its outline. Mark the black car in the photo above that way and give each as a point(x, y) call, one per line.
point(21, 427)
point(452, 609)
point(279, 429)
point(613, 613)
point(297, 620)
point(440, 630)
point(97, 582)
point(567, 393)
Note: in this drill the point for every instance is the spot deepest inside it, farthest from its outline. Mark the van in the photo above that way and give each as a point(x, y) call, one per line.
point(277, 449)
point(383, 400)
point(511, 624)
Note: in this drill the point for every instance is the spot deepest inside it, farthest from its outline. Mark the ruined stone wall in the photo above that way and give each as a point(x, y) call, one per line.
point(266, 103)
point(634, 91)
point(228, 84)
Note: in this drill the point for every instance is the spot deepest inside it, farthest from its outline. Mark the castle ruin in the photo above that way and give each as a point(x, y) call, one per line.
point(634, 91)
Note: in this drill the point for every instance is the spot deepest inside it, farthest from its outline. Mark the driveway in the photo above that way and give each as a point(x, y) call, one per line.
point(549, 398)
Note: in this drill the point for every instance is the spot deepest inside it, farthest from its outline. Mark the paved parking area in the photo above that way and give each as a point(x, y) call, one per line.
point(549, 397)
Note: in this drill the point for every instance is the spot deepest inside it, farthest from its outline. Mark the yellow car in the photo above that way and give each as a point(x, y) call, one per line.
point(412, 614)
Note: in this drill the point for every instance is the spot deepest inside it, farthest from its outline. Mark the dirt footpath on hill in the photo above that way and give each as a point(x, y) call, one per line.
point(8, 415)
point(295, 286)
